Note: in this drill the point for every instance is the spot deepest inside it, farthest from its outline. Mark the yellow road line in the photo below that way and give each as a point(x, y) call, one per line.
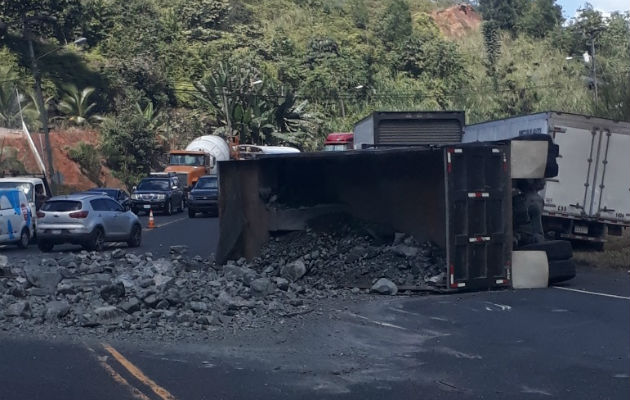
point(135, 392)
point(136, 372)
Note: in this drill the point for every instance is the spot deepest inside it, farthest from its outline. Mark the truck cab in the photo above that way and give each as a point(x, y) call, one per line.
point(190, 165)
point(339, 141)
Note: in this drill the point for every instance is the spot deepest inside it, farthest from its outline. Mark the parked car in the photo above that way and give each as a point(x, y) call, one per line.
point(204, 196)
point(86, 219)
point(117, 194)
point(16, 218)
point(159, 192)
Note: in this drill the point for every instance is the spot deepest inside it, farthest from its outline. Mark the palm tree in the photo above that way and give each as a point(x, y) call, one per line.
point(76, 106)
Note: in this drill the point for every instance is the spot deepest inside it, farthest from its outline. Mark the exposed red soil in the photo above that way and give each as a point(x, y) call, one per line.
point(457, 21)
point(61, 142)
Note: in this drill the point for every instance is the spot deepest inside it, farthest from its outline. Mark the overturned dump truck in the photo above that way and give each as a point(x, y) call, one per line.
point(458, 197)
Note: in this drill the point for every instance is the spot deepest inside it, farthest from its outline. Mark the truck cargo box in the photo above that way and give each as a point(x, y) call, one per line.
point(458, 197)
point(393, 128)
point(591, 194)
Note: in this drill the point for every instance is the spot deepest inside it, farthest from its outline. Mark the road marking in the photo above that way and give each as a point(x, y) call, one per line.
point(386, 324)
point(165, 224)
point(135, 392)
point(136, 372)
point(501, 307)
point(614, 296)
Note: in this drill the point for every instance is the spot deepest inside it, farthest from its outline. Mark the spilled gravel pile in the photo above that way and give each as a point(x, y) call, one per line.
point(119, 291)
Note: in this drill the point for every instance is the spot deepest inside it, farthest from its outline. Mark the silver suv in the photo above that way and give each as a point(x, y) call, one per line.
point(88, 220)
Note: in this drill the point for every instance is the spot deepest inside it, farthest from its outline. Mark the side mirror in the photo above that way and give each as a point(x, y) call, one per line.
point(174, 188)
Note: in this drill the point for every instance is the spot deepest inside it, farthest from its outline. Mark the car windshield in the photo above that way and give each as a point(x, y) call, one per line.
point(154, 184)
point(61, 205)
point(26, 187)
point(186, 159)
point(207, 183)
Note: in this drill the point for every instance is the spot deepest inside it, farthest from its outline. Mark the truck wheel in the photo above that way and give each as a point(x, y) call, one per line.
point(555, 249)
point(25, 239)
point(191, 213)
point(45, 246)
point(561, 270)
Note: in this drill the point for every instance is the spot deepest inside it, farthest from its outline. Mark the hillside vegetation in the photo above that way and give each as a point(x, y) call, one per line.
point(152, 74)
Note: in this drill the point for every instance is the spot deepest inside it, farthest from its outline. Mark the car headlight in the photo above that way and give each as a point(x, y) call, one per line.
point(135, 196)
point(160, 196)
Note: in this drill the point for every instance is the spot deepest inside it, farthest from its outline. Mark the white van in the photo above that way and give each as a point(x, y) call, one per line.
point(16, 218)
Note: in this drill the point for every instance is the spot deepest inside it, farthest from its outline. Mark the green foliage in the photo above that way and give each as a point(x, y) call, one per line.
point(166, 71)
point(492, 44)
point(201, 19)
point(10, 163)
point(75, 105)
point(129, 146)
point(395, 24)
point(540, 18)
point(505, 13)
point(89, 160)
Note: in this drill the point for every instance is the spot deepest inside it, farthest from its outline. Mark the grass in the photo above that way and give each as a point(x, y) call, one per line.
point(616, 253)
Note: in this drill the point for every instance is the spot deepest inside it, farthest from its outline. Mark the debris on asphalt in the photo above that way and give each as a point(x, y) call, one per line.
point(120, 291)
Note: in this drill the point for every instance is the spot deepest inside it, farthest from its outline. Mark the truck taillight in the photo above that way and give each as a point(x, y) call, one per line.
point(40, 214)
point(79, 214)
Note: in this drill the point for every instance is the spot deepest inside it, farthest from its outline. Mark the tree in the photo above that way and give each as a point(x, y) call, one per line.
point(540, 18)
point(492, 44)
point(504, 13)
point(75, 105)
point(201, 19)
point(129, 146)
point(395, 23)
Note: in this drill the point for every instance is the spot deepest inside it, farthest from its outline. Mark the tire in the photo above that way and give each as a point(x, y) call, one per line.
point(25, 239)
point(168, 208)
point(191, 213)
point(97, 241)
point(555, 249)
point(561, 270)
point(135, 238)
point(45, 246)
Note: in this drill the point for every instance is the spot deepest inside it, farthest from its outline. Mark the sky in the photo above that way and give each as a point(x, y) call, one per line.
point(569, 7)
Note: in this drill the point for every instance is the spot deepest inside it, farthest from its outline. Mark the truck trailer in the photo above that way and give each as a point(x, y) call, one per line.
point(590, 197)
point(409, 128)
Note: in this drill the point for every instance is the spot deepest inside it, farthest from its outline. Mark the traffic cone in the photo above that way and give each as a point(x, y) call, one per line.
point(151, 220)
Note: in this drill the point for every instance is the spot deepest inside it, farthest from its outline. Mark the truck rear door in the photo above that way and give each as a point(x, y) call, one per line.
point(609, 198)
point(567, 193)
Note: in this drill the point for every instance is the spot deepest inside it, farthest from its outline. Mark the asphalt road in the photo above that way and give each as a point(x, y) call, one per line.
point(569, 343)
point(200, 234)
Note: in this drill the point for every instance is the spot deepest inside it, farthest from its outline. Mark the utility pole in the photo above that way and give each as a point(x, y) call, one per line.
point(43, 113)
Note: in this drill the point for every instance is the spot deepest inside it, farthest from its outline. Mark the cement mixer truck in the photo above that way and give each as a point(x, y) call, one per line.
point(198, 159)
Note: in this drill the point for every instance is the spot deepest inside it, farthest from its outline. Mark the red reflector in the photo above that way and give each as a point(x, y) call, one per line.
point(40, 214)
point(79, 214)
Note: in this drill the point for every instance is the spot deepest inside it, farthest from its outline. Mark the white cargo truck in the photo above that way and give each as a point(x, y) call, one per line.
point(590, 197)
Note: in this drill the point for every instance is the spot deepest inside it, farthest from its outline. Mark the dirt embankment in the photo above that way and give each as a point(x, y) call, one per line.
point(457, 21)
point(15, 154)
